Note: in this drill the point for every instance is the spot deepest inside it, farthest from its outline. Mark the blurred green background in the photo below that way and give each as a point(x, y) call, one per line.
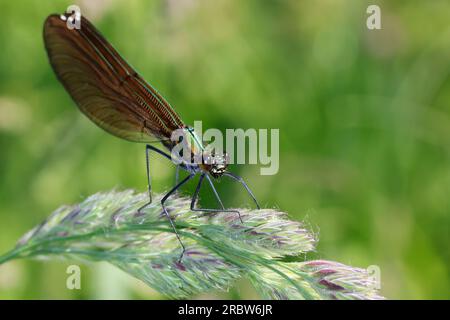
point(364, 119)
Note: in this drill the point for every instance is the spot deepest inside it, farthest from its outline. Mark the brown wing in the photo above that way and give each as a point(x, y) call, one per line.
point(104, 86)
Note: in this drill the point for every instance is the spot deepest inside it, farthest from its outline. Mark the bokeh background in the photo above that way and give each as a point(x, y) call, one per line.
point(364, 121)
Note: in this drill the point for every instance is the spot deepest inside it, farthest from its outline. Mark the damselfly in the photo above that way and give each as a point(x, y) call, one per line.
point(115, 97)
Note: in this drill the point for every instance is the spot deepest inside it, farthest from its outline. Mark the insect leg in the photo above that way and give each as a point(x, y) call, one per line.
point(240, 180)
point(163, 201)
point(195, 197)
point(149, 148)
point(215, 191)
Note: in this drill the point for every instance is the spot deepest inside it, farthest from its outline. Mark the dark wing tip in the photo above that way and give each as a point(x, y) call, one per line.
point(54, 19)
point(59, 20)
